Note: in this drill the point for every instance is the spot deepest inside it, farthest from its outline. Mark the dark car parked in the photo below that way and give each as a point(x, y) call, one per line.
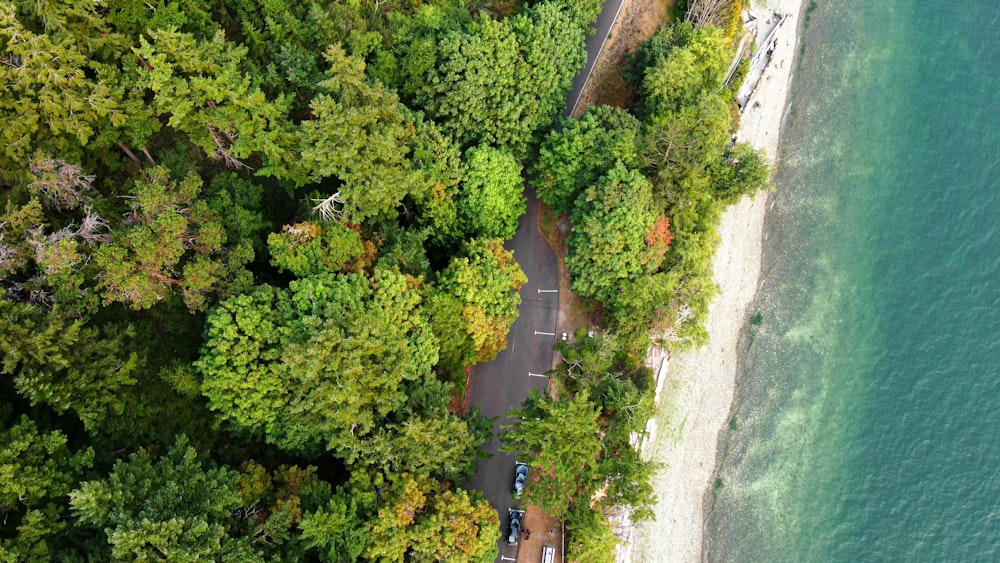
point(516, 516)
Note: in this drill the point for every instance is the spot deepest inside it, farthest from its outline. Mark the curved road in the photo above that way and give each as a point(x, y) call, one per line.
point(504, 383)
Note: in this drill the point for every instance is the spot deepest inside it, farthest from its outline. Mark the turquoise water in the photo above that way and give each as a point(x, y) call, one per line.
point(867, 426)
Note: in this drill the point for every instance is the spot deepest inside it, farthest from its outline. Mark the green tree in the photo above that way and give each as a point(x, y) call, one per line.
point(178, 507)
point(622, 391)
point(67, 364)
point(610, 244)
point(273, 504)
point(37, 471)
point(321, 365)
point(336, 531)
point(171, 241)
point(561, 440)
point(283, 42)
point(679, 147)
point(59, 96)
point(413, 518)
point(239, 203)
point(741, 170)
point(361, 135)
point(501, 81)
point(492, 197)
point(475, 303)
point(589, 535)
point(198, 87)
point(439, 444)
point(409, 52)
point(307, 249)
point(460, 526)
point(573, 159)
point(678, 67)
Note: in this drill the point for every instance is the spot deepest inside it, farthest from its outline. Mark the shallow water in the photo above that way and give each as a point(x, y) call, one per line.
point(869, 404)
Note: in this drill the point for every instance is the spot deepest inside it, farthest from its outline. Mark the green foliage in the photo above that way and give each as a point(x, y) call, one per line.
point(329, 364)
point(500, 81)
point(403, 249)
point(273, 504)
point(357, 356)
point(308, 249)
point(283, 41)
point(492, 197)
point(573, 159)
point(178, 507)
point(596, 370)
point(679, 147)
point(37, 471)
point(685, 148)
point(238, 202)
point(679, 67)
point(589, 536)
point(742, 170)
point(410, 51)
point(170, 231)
point(561, 440)
point(336, 531)
point(66, 364)
point(609, 246)
point(408, 518)
point(362, 136)
point(475, 304)
point(197, 86)
point(59, 96)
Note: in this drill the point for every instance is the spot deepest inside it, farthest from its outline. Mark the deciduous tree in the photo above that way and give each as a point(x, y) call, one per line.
point(320, 366)
point(475, 304)
point(609, 246)
point(307, 249)
point(500, 81)
point(572, 159)
point(492, 194)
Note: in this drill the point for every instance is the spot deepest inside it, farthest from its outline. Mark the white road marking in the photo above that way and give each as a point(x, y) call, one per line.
point(537, 333)
point(504, 558)
point(536, 374)
point(548, 291)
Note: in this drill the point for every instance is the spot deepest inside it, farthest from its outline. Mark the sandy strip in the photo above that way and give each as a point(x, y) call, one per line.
point(699, 386)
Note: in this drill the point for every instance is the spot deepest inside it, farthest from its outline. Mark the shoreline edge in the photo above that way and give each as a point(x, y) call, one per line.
point(698, 387)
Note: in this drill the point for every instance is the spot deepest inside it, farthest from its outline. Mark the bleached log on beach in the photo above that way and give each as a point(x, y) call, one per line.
point(759, 62)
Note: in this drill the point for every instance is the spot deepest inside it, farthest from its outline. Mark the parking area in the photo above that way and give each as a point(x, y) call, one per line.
point(538, 533)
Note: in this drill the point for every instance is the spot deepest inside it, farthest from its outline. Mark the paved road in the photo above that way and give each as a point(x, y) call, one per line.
point(504, 383)
point(594, 42)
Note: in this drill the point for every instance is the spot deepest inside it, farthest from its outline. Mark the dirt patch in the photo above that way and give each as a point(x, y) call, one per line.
point(638, 21)
point(545, 531)
point(459, 402)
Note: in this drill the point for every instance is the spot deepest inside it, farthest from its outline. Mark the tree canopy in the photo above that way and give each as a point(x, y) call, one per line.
point(250, 253)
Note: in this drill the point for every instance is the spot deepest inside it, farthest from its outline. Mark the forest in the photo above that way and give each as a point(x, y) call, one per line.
point(251, 250)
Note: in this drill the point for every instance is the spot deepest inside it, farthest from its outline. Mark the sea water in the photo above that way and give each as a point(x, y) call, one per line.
point(867, 422)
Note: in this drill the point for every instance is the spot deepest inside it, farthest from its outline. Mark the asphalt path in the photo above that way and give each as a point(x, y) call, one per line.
point(609, 11)
point(504, 383)
point(497, 386)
